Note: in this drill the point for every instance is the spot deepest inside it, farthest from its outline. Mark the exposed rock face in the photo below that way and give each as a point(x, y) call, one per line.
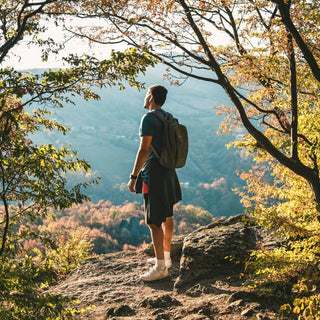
point(216, 250)
point(199, 286)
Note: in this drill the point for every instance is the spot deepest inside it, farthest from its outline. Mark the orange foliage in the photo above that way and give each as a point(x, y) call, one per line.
point(115, 227)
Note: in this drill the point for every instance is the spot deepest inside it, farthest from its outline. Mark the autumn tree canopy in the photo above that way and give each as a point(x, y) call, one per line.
point(267, 63)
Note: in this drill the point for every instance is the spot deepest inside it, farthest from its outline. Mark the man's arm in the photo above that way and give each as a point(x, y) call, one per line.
point(141, 158)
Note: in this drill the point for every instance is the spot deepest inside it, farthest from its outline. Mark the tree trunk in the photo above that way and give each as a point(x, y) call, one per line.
point(6, 227)
point(284, 8)
point(314, 182)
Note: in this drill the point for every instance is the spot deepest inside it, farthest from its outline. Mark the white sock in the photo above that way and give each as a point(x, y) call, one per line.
point(167, 255)
point(160, 264)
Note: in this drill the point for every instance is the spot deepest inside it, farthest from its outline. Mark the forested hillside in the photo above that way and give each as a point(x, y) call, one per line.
point(105, 133)
point(110, 227)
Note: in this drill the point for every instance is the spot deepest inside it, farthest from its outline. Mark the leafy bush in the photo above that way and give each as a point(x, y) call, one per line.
point(71, 250)
point(283, 203)
point(26, 275)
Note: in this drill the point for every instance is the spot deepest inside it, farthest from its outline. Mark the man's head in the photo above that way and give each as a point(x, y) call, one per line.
point(158, 94)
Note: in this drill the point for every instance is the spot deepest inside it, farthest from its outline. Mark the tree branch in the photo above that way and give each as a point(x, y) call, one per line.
point(284, 8)
point(294, 100)
point(21, 28)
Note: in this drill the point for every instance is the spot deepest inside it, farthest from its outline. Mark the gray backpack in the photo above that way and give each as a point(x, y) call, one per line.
point(174, 147)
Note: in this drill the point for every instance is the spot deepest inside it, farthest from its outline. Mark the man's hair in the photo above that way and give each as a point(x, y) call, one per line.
point(159, 94)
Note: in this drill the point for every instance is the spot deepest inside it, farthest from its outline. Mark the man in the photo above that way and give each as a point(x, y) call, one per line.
point(159, 185)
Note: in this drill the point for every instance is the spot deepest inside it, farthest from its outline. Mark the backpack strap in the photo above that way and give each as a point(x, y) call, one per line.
point(162, 119)
point(154, 151)
point(160, 116)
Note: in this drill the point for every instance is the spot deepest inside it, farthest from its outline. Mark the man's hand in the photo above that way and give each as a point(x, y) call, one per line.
point(131, 184)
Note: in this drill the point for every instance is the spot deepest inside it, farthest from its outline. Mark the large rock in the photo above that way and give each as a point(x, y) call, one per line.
point(217, 250)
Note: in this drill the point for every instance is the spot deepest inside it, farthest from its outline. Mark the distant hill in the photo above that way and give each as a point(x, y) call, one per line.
point(106, 134)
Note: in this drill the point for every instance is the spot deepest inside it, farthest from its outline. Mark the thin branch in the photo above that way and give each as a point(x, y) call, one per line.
point(236, 38)
point(188, 74)
point(162, 34)
point(272, 127)
point(21, 28)
point(252, 103)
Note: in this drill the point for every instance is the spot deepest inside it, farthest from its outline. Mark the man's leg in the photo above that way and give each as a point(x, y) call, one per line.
point(157, 240)
point(168, 228)
point(159, 271)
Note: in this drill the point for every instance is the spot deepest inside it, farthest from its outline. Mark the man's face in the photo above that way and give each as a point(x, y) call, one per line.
point(147, 100)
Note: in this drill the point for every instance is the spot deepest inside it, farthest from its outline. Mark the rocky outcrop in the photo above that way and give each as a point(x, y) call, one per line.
point(217, 250)
point(203, 283)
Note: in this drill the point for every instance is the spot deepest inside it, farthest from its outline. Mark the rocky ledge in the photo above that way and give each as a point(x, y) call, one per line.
point(204, 281)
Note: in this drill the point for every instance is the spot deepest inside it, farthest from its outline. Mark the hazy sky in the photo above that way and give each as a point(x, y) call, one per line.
point(28, 57)
point(24, 56)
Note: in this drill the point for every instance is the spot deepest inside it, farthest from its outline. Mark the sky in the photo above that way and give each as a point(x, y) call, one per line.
point(29, 57)
point(24, 56)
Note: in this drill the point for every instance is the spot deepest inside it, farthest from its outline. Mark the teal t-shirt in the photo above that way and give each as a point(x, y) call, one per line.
point(152, 126)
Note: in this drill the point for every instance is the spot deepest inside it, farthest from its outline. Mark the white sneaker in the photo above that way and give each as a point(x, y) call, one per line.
point(154, 274)
point(168, 262)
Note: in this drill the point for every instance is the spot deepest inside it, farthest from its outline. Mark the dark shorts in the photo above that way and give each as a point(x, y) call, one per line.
point(149, 214)
point(161, 190)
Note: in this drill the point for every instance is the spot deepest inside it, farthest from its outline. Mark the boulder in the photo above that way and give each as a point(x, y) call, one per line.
point(217, 250)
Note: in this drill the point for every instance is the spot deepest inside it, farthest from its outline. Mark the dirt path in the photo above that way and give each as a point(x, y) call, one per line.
point(111, 283)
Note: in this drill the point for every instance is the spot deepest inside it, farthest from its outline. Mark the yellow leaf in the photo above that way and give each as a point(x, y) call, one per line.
point(296, 310)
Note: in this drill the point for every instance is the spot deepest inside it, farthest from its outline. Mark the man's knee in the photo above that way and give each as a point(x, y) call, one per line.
point(154, 227)
point(169, 221)
point(169, 224)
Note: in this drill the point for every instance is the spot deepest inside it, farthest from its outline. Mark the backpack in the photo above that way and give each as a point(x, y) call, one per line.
point(174, 147)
